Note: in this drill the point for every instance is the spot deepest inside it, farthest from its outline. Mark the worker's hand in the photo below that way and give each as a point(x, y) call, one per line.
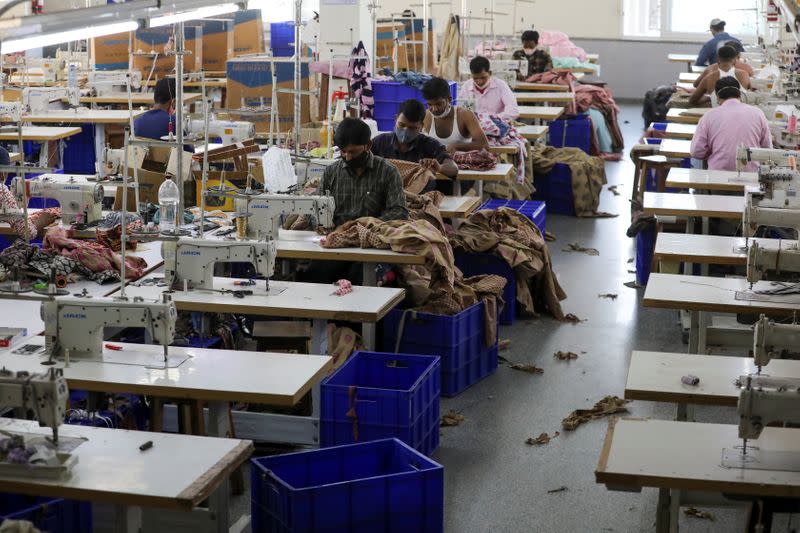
point(41, 220)
point(432, 165)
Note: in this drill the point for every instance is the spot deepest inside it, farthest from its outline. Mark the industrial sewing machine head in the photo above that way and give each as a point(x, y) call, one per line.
point(77, 324)
point(764, 400)
point(773, 341)
point(42, 99)
point(228, 131)
point(266, 211)
point(40, 70)
point(64, 59)
point(763, 260)
point(107, 82)
point(78, 200)
point(45, 394)
point(192, 260)
point(11, 111)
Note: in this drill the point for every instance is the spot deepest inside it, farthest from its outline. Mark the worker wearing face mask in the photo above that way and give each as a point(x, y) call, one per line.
point(408, 143)
point(491, 95)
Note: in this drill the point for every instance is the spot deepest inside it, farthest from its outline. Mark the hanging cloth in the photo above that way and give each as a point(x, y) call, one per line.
point(361, 80)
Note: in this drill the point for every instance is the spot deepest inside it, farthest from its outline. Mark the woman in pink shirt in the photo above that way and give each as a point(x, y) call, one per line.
point(491, 95)
point(730, 125)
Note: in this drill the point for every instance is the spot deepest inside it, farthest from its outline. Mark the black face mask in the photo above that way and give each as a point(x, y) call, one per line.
point(357, 162)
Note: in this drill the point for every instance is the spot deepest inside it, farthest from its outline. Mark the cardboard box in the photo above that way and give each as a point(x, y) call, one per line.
point(248, 32)
point(217, 42)
point(385, 45)
point(230, 178)
point(250, 83)
point(110, 52)
point(154, 40)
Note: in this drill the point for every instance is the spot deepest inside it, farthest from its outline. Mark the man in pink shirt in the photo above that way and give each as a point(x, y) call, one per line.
point(491, 95)
point(723, 129)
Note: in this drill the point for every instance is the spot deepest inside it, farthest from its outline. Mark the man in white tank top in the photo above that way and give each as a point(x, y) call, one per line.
point(726, 61)
point(455, 127)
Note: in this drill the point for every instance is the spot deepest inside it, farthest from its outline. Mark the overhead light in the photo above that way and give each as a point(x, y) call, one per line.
point(48, 39)
point(195, 14)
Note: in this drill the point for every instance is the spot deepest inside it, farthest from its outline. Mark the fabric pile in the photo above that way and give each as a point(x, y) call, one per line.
point(573, 63)
point(554, 77)
point(109, 230)
point(559, 45)
point(361, 80)
point(588, 175)
point(490, 49)
point(501, 133)
point(426, 207)
point(475, 160)
point(93, 256)
point(510, 235)
point(412, 79)
point(593, 97)
point(415, 178)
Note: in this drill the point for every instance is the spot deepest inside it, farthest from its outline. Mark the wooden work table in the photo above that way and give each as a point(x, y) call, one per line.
point(82, 116)
point(306, 245)
point(138, 99)
point(708, 249)
point(675, 148)
point(711, 180)
point(542, 113)
point(541, 97)
point(688, 77)
point(501, 172)
point(533, 133)
point(545, 87)
point(40, 133)
point(459, 206)
point(679, 131)
point(693, 205)
point(686, 116)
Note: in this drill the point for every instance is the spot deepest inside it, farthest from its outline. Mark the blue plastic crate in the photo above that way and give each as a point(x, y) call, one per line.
point(478, 264)
point(281, 35)
point(381, 395)
point(53, 515)
point(536, 211)
point(79, 156)
point(573, 132)
point(390, 94)
point(555, 188)
point(379, 486)
point(454, 383)
point(645, 246)
point(659, 126)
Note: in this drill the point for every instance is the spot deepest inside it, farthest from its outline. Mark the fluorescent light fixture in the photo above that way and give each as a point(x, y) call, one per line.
point(195, 14)
point(27, 43)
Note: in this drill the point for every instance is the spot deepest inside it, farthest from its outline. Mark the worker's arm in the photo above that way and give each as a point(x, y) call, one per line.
point(510, 110)
point(475, 133)
point(765, 140)
point(700, 148)
point(744, 79)
point(427, 123)
point(699, 81)
point(326, 183)
point(699, 94)
point(395, 200)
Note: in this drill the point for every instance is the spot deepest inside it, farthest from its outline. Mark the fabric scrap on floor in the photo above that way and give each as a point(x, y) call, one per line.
point(451, 419)
point(607, 406)
point(693, 512)
point(565, 356)
point(576, 247)
point(559, 489)
point(570, 317)
point(608, 295)
point(530, 369)
point(613, 190)
point(543, 438)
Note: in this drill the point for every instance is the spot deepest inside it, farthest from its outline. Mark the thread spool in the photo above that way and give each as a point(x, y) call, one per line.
point(60, 281)
point(241, 227)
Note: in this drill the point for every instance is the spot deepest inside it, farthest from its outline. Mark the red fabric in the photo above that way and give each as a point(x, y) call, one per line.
point(555, 77)
point(92, 255)
point(475, 160)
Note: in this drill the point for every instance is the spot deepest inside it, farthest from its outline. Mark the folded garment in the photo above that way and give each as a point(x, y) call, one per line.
point(475, 160)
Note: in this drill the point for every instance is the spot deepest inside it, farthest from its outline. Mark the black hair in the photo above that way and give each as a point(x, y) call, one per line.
point(719, 27)
point(727, 87)
point(436, 88)
point(352, 131)
point(530, 35)
point(479, 64)
point(164, 91)
point(727, 53)
point(736, 45)
point(413, 110)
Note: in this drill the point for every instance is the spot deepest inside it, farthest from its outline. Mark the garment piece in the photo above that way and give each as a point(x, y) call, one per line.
point(426, 207)
point(153, 124)
point(490, 49)
point(559, 45)
point(455, 136)
point(93, 256)
point(361, 80)
point(415, 178)
point(708, 53)
point(496, 99)
point(20, 226)
point(555, 77)
point(378, 192)
point(588, 174)
point(412, 79)
point(510, 235)
point(501, 133)
point(423, 147)
point(599, 98)
point(451, 49)
point(722, 129)
point(572, 63)
point(475, 160)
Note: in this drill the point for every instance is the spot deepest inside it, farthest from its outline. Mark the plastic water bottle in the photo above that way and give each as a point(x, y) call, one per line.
point(72, 76)
point(167, 205)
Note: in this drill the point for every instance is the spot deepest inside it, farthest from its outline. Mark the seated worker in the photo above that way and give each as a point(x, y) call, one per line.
point(738, 63)
point(708, 53)
point(455, 127)
point(36, 222)
point(732, 124)
point(727, 57)
point(155, 123)
point(362, 185)
point(408, 143)
point(491, 95)
point(530, 42)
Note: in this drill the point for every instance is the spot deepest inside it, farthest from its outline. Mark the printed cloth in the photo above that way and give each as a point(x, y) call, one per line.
point(510, 235)
point(490, 49)
point(415, 178)
point(502, 133)
point(475, 160)
point(588, 174)
point(92, 256)
point(8, 202)
point(426, 207)
point(361, 80)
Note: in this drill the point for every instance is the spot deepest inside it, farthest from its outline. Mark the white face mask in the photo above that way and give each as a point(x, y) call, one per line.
point(444, 113)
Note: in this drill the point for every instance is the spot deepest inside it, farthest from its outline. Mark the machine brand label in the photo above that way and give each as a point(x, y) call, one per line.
point(190, 252)
point(256, 205)
point(71, 188)
point(74, 315)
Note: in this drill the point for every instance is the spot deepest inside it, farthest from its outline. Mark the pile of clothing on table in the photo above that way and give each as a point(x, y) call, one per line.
point(554, 77)
point(475, 160)
point(501, 133)
point(588, 175)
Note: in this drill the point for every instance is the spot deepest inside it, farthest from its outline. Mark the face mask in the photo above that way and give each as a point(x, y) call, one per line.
point(404, 135)
point(357, 162)
point(443, 113)
point(481, 87)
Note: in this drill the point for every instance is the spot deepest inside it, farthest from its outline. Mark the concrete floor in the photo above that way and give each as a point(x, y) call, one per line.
point(497, 483)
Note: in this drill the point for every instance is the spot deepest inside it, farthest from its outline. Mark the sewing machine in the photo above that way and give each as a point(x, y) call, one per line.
point(192, 260)
point(11, 111)
point(769, 157)
point(107, 82)
point(38, 100)
point(39, 70)
point(77, 200)
point(228, 131)
point(761, 260)
point(76, 325)
point(64, 59)
point(764, 400)
point(771, 340)
point(267, 210)
point(45, 394)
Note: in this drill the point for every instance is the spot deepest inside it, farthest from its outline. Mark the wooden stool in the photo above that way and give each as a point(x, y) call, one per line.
point(658, 163)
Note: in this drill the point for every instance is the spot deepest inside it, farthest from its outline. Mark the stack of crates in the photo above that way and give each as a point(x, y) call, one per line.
point(574, 132)
point(460, 341)
point(535, 211)
point(390, 94)
point(555, 189)
point(53, 515)
point(382, 485)
point(382, 395)
point(281, 39)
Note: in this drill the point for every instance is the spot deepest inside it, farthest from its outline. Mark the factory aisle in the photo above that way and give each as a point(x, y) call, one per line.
point(495, 482)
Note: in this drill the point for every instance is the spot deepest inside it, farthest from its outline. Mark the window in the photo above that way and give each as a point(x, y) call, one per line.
point(688, 19)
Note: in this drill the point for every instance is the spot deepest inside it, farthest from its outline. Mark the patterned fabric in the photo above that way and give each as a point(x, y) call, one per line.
point(378, 192)
point(588, 174)
point(94, 257)
point(555, 77)
point(502, 133)
point(30, 258)
point(361, 81)
point(512, 236)
point(8, 202)
point(426, 207)
point(412, 79)
point(415, 178)
point(590, 96)
point(475, 160)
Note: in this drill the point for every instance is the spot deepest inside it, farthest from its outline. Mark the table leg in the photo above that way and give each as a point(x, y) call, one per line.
point(319, 336)
point(479, 188)
point(126, 519)
point(368, 334)
point(674, 510)
point(694, 332)
point(99, 140)
point(218, 421)
point(688, 268)
point(456, 187)
point(369, 275)
point(44, 154)
point(662, 511)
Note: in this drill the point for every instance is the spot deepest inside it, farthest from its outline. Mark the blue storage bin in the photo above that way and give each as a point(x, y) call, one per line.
point(534, 210)
point(645, 246)
point(79, 156)
point(381, 395)
point(458, 339)
point(573, 132)
point(651, 140)
point(379, 486)
point(390, 94)
point(555, 188)
point(478, 264)
point(54, 515)
point(659, 126)
point(281, 35)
